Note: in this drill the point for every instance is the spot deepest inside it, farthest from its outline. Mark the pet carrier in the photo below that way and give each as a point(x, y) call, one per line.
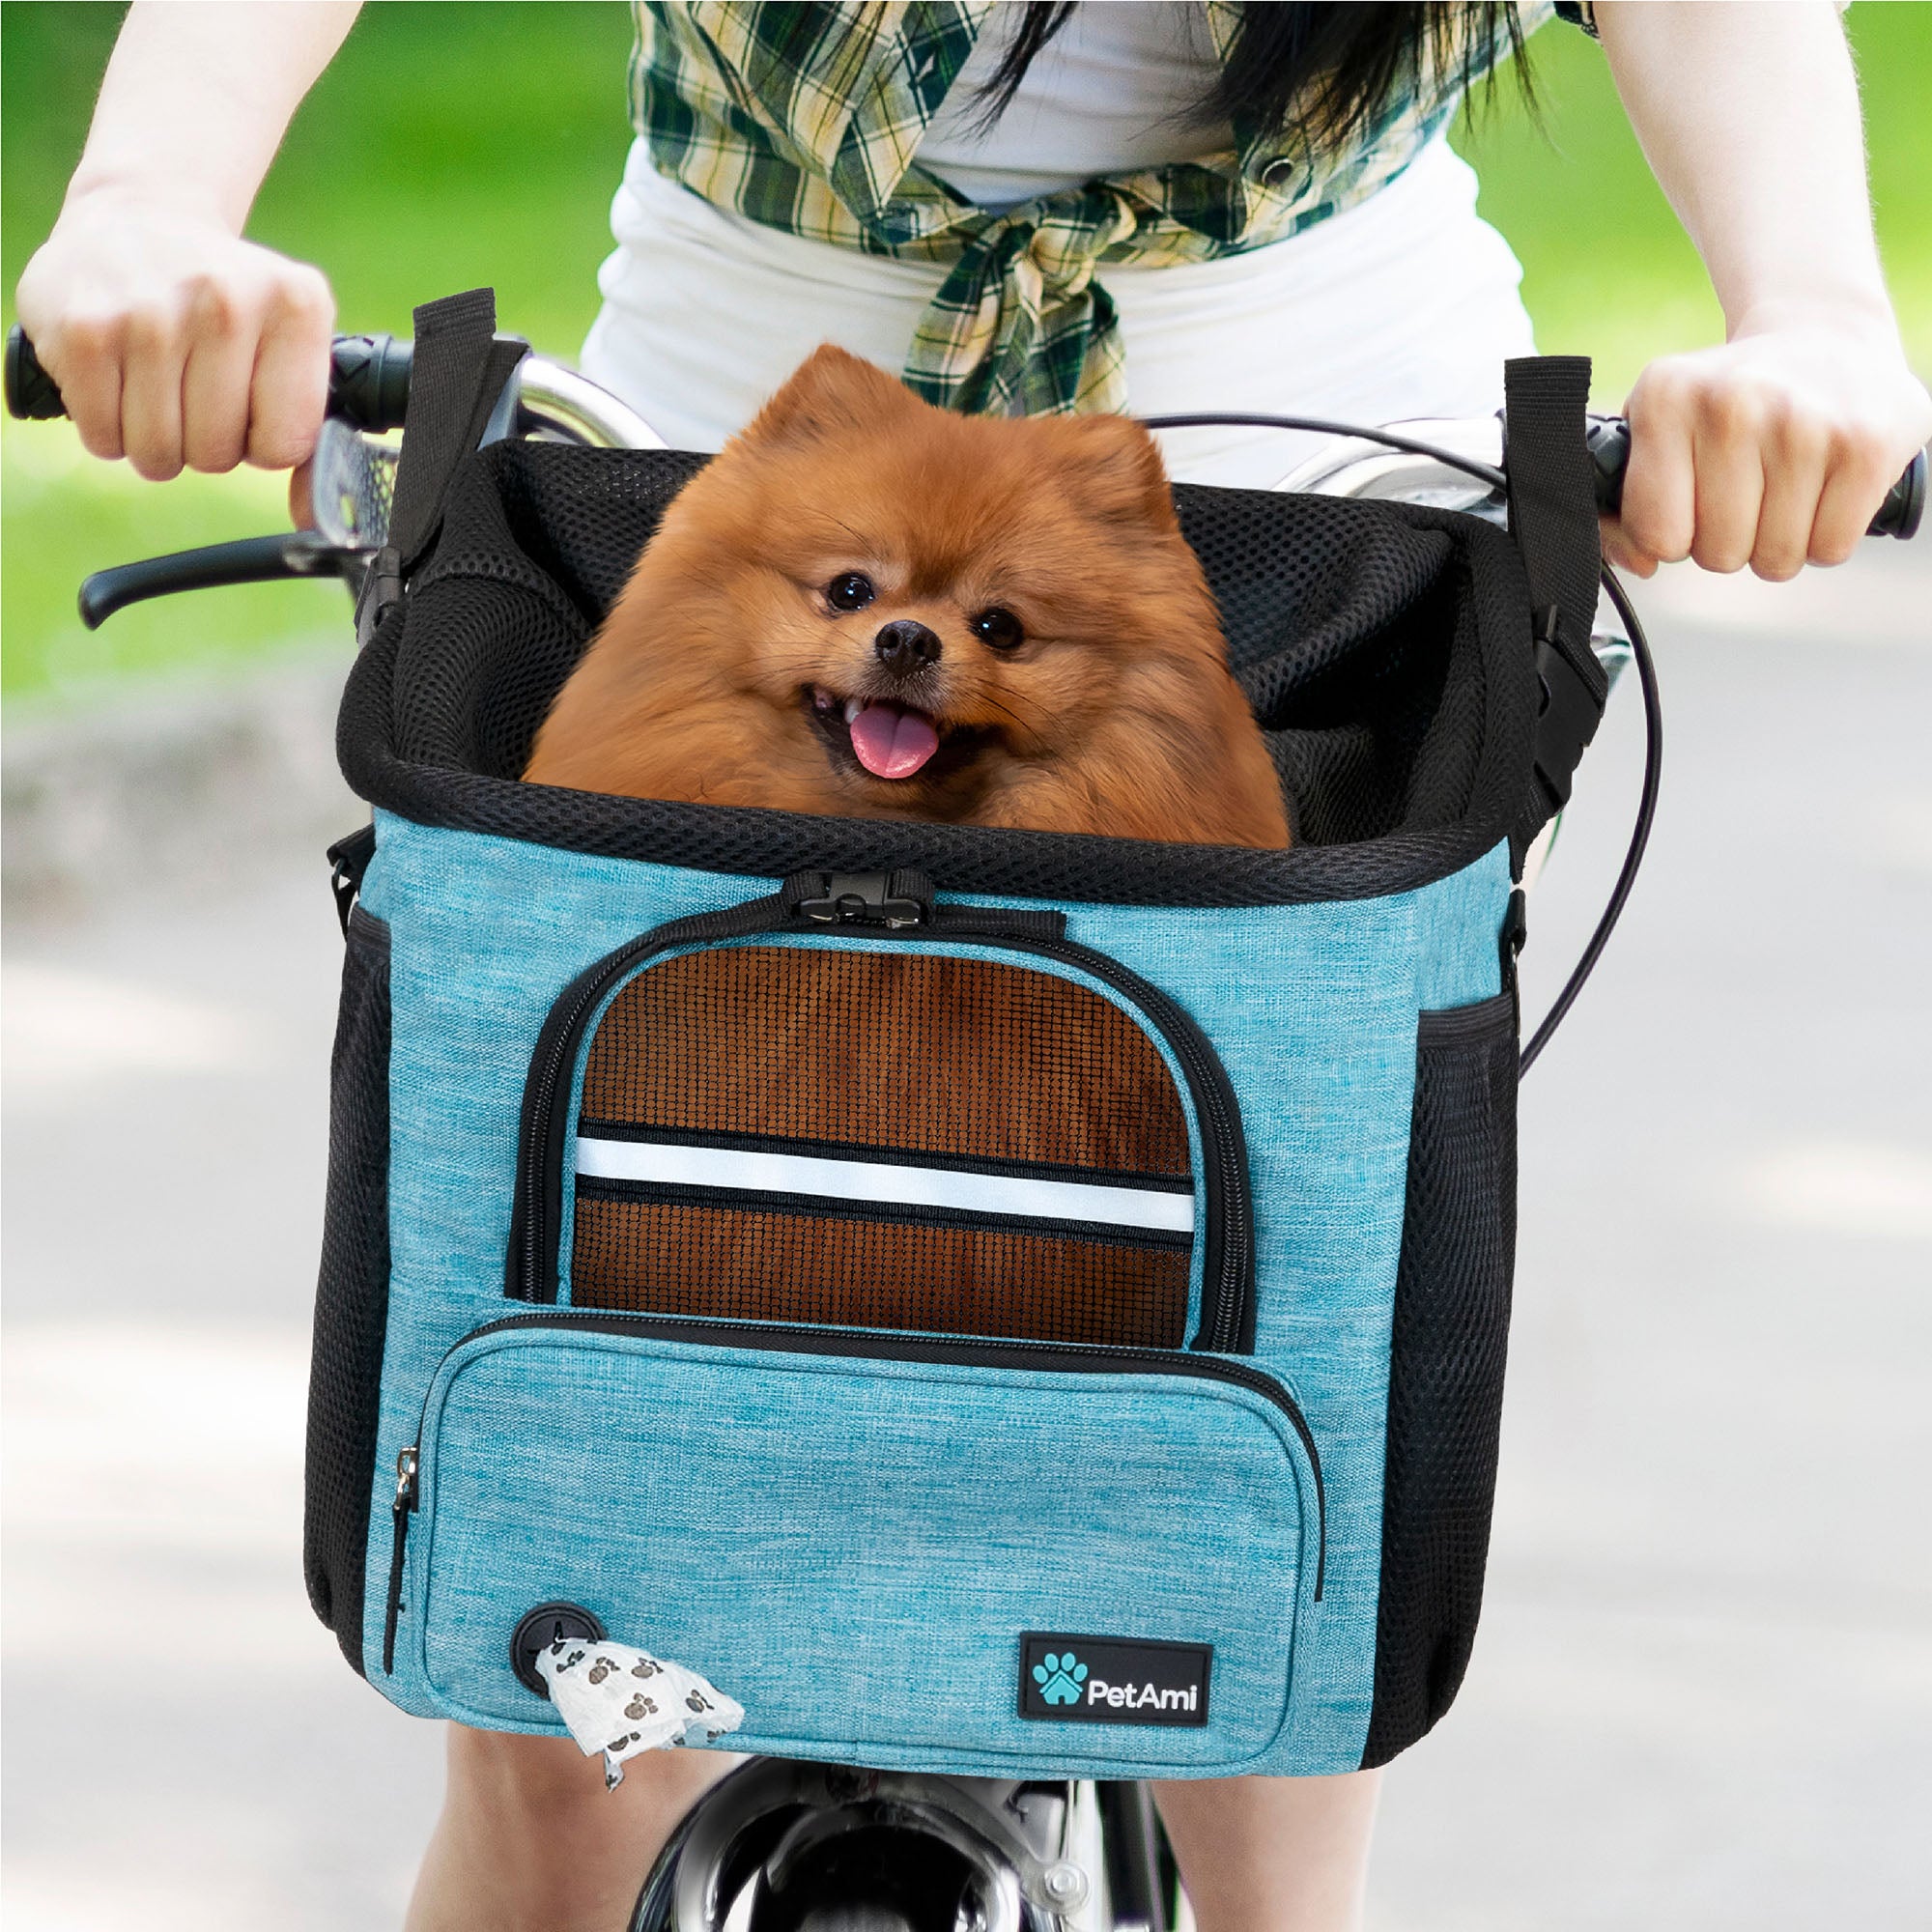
point(619, 1324)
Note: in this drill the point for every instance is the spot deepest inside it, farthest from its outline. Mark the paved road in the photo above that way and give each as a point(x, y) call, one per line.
point(1703, 1692)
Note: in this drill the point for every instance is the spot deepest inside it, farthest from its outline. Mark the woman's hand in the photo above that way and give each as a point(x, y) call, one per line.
point(174, 342)
point(1775, 450)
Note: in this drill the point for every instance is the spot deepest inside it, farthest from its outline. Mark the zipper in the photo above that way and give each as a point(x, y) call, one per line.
point(958, 1351)
point(400, 1510)
point(1228, 1264)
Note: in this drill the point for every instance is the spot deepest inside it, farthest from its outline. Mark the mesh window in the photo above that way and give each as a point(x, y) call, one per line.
point(968, 1064)
point(666, 1258)
point(968, 1058)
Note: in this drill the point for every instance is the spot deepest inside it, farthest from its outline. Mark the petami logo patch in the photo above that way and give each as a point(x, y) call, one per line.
point(1068, 1679)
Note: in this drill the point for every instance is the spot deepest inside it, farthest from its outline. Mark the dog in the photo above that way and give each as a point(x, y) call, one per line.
point(869, 606)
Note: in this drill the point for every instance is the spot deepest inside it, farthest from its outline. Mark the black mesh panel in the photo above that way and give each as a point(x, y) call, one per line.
point(351, 1302)
point(1450, 1329)
point(1385, 649)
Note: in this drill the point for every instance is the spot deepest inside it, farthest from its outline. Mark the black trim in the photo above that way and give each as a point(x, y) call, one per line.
point(885, 1156)
point(1226, 1235)
point(895, 1213)
point(959, 1350)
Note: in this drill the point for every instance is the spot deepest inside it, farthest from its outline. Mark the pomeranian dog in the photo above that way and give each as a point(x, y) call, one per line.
point(870, 607)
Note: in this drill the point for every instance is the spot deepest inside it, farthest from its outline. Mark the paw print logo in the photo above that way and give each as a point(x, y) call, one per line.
point(604, 1667)
point(698, 1701)
point(641, 1706)
point(1060, 1678)
point(647, 1666)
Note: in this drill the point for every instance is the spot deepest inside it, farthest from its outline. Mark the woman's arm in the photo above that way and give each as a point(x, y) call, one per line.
point(172, 340)
point(1777, 447)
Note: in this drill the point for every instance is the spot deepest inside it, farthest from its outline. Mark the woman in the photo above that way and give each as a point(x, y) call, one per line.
point(1026, 209)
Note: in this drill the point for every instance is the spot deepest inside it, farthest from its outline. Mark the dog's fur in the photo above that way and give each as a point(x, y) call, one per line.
point(726, 675)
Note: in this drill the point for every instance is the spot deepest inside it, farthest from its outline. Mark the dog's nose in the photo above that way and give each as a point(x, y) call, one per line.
point(903, 645)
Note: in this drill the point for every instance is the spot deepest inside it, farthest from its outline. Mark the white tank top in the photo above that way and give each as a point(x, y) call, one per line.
point(1117, 90)
point(1403, 307)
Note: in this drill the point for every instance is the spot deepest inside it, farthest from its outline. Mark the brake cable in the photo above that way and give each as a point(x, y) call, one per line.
point(1640, 657)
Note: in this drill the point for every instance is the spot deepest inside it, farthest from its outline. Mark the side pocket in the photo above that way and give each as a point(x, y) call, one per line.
point(351, 1301)
point(1450, 1329)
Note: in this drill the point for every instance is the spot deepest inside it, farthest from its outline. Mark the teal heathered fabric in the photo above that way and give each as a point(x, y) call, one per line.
point(854, 1548)
point(1313, 1010)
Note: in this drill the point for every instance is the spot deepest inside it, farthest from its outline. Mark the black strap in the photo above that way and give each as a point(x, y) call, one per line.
point(457, 376)
point(1552, 512)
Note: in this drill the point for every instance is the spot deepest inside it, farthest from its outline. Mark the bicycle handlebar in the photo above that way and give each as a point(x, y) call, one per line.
point(368, 380)
point(369, 388)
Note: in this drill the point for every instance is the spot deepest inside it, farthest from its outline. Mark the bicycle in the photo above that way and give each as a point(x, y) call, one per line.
point(782, 1846)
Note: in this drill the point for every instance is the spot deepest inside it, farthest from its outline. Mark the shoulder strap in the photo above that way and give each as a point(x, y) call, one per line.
point(457, 375)
point(1553, 515)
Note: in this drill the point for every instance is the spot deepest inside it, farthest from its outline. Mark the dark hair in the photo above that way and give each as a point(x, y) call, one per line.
point(1323, 72)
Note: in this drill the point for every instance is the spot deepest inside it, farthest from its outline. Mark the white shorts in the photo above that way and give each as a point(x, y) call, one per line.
point(1407, 305)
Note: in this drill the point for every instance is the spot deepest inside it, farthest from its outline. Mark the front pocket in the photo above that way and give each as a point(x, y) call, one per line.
point(1450, 1333)
point(351, 1301)
point(975, 1129)
point(854, 1534)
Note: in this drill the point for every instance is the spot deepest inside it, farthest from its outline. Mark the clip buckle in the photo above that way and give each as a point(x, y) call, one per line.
point(860, 898)
point(1569, 710)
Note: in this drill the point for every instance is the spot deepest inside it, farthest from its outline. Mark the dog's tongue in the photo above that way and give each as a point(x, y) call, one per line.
point(891, 742)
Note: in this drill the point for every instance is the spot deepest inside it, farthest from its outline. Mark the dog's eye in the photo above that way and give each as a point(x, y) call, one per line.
point(850, 592)
point(999, 628)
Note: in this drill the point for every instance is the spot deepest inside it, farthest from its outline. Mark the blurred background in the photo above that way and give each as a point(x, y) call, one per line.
point(443, 151)
point(1703, 1691)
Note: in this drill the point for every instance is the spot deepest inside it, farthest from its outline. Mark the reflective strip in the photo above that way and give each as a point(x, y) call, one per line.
point(884, 1182)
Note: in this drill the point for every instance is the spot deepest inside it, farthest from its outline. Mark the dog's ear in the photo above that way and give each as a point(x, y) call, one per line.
point(1114, 471)
point(830, 392)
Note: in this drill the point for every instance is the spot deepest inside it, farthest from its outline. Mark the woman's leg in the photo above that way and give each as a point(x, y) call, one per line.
point(1273, 1854)
point(530, 1838)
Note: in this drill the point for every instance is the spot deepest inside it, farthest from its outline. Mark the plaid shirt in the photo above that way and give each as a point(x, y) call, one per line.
point(807, 118)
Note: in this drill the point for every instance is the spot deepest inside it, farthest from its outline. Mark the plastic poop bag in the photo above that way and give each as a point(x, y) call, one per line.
point(621, 1701)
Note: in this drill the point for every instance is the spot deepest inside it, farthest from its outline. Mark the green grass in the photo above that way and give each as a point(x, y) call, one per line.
point(453, 145)
point(446, 147)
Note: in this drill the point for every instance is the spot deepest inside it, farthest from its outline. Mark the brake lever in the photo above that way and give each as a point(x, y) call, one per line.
point(250, 560)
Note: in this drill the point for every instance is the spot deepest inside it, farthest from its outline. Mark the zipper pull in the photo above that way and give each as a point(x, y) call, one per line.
point(405, 1481)
point(399, 1515)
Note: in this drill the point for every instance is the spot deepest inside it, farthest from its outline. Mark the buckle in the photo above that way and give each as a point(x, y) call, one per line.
point(1569, 708)
point(348, 859)
point(892, 899)
point(382, 591)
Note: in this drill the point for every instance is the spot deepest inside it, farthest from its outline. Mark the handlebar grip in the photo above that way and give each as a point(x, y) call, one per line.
point(368, 380)
point(32, 394)
point(1608, 440)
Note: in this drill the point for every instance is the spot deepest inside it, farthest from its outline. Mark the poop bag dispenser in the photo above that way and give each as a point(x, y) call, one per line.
point(622, 1701)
